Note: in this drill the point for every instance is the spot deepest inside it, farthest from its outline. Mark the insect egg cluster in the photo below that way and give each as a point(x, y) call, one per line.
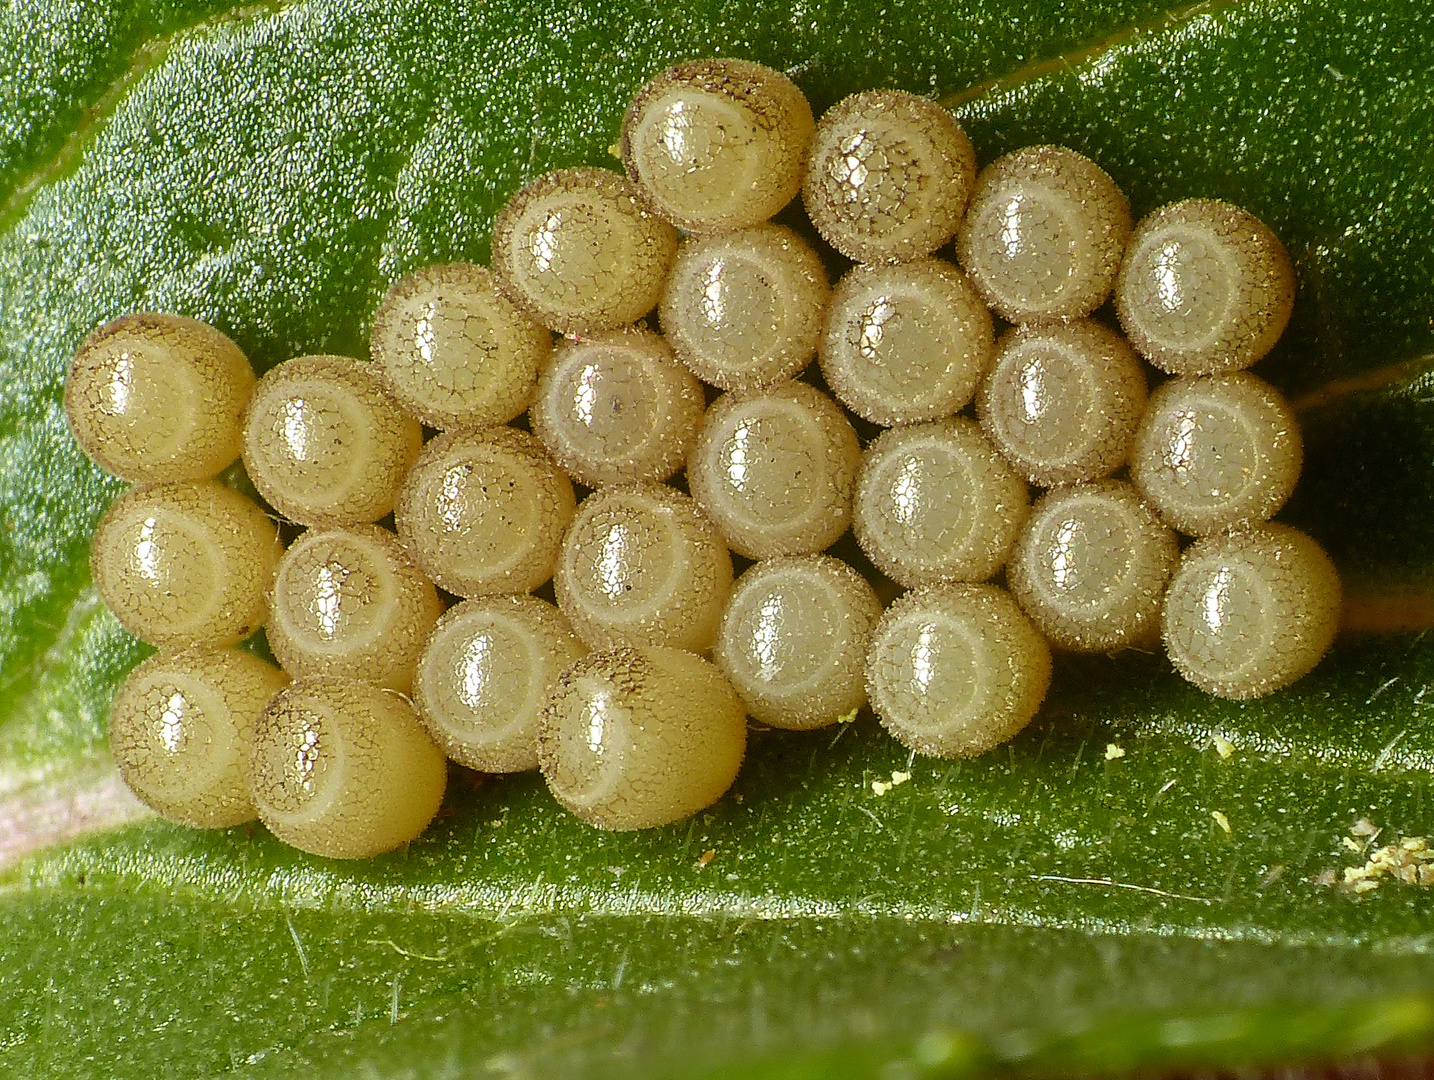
point(563, 415)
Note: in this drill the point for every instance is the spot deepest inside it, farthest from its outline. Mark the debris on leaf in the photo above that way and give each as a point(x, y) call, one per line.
point(1364, 827)
point(1410, 860)
point(881, 787)
point(1112, 752)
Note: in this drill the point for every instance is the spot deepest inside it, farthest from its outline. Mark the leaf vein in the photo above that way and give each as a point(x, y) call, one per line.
point(1089, 53)
point(142, 60)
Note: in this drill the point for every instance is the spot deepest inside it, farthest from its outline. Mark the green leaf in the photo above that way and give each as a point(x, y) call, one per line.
point(1045, 907)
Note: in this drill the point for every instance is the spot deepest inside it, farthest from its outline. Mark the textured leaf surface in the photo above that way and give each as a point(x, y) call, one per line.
point(273, 169)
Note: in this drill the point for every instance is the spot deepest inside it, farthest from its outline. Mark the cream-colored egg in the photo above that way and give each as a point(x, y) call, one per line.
point(454, 351)
point(775, 470)
point(350, 602)
point(793, 640)
point(344, 769)
point(743, 310)
point(1216, 451)
point(483, 512)
point(1062, 401)
point(717, 144)
point(641, 737)
point(1251, 611)
point(906, 343)
point(186, 564)
point(325, 444)
point(615, 407)
point(1043, 234)
point(484, 677)
point(181, 729)
point(1205, 288)
point(579, 249)
point(936, 502)
point(1091, 566)
point(642, 565)
point(955, 670)
point(155, 398)
point(889, 176)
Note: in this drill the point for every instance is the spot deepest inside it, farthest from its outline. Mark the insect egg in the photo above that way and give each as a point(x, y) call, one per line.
point(484, 678)
point(578, 249)
point(1062, 401)
point(775, 470)
point(935, 502)
point(154, 398)
point(483, 512)
point(349, 602)
point(641, 565)
point(907, 342)
point(344, 769)
point(1091, 565)
point(1251, 611)
point(181, 727)
point(1213, 452)
point(186, 564)
point(1043, 234)
point(325, 444)
point(889, 176)
point(1205, 288)
point(717, 144)
point(744, 310)
point(615, 407)
point(642, 737)
point(793, 640)
point(454, 351)
point(955, 670)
